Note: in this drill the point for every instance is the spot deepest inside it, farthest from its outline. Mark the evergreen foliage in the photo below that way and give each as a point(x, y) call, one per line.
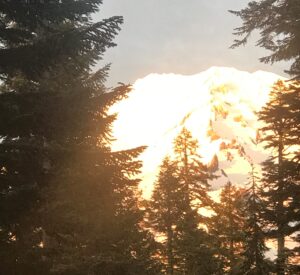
point(41, 36)
point(165, 211)
point(279, 24)
point(227, 226)
point(195, 250)
point(68, 204)
point(280, 180)
point(254, 261)
point(181, 190)
point(194, 175)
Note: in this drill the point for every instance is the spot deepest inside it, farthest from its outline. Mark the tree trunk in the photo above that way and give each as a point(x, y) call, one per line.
point(170, 252)
point(280, 254)
point(281, 257)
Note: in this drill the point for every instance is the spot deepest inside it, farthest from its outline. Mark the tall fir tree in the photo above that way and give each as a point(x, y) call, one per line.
point(165, 211)
point(291, 98)
point(254, 259)
point(194, 242)
point(68, 204)
point(227, 226)
point(278, 23)
point(194, 175)
point(281, 170)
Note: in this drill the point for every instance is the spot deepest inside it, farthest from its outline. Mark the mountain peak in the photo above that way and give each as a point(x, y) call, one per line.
point(220, 100)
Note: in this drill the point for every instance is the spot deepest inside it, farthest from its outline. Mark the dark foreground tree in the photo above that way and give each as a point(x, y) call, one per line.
point(165, 211)
point(279, 24)
point(281, 187)
point(68, 204)
point(254, 261)
point(227, 227)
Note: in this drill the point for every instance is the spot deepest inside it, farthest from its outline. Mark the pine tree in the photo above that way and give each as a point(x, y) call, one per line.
point(194, 243)
point(194, 175)
point(291, 97)
point(281, 169)
point(227, 226)
point(37, 36)
point(68, 204)
point(165, 211)
point(254, 262)
point(278, 23)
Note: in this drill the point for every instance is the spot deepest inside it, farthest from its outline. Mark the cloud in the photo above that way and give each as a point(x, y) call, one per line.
point(182, 37)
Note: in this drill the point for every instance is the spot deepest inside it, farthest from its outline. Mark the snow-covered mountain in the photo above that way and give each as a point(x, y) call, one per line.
point(217, 105)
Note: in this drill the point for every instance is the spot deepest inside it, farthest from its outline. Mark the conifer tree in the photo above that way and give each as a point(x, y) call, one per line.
point(227, 226)
point(194, 243)
point(194, 175)
point(254, 261)
point(278, 23)
point(281, 170)
point(68, 204)
point(165, 211)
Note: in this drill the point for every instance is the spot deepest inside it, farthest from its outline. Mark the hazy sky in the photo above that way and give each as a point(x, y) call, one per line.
point(177, 36)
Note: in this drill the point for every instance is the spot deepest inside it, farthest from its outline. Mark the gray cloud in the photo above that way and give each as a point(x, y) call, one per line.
point(183, 37)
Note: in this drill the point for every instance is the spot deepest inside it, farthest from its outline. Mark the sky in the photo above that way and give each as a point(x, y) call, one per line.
point(183, 37)
point(177, 36)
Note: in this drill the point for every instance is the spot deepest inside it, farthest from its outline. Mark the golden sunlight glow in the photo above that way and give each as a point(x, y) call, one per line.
point(217, 106)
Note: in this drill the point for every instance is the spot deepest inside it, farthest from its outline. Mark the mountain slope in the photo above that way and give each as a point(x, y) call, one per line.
point(217, 105)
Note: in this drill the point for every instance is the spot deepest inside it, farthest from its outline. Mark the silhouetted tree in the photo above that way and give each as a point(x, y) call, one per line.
point(194, 175)
point(254, 261)
point(227, 226)
point(68, 205)
point(281, 187)
point(194, 242)
point(278, 23)
point(165, 211)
